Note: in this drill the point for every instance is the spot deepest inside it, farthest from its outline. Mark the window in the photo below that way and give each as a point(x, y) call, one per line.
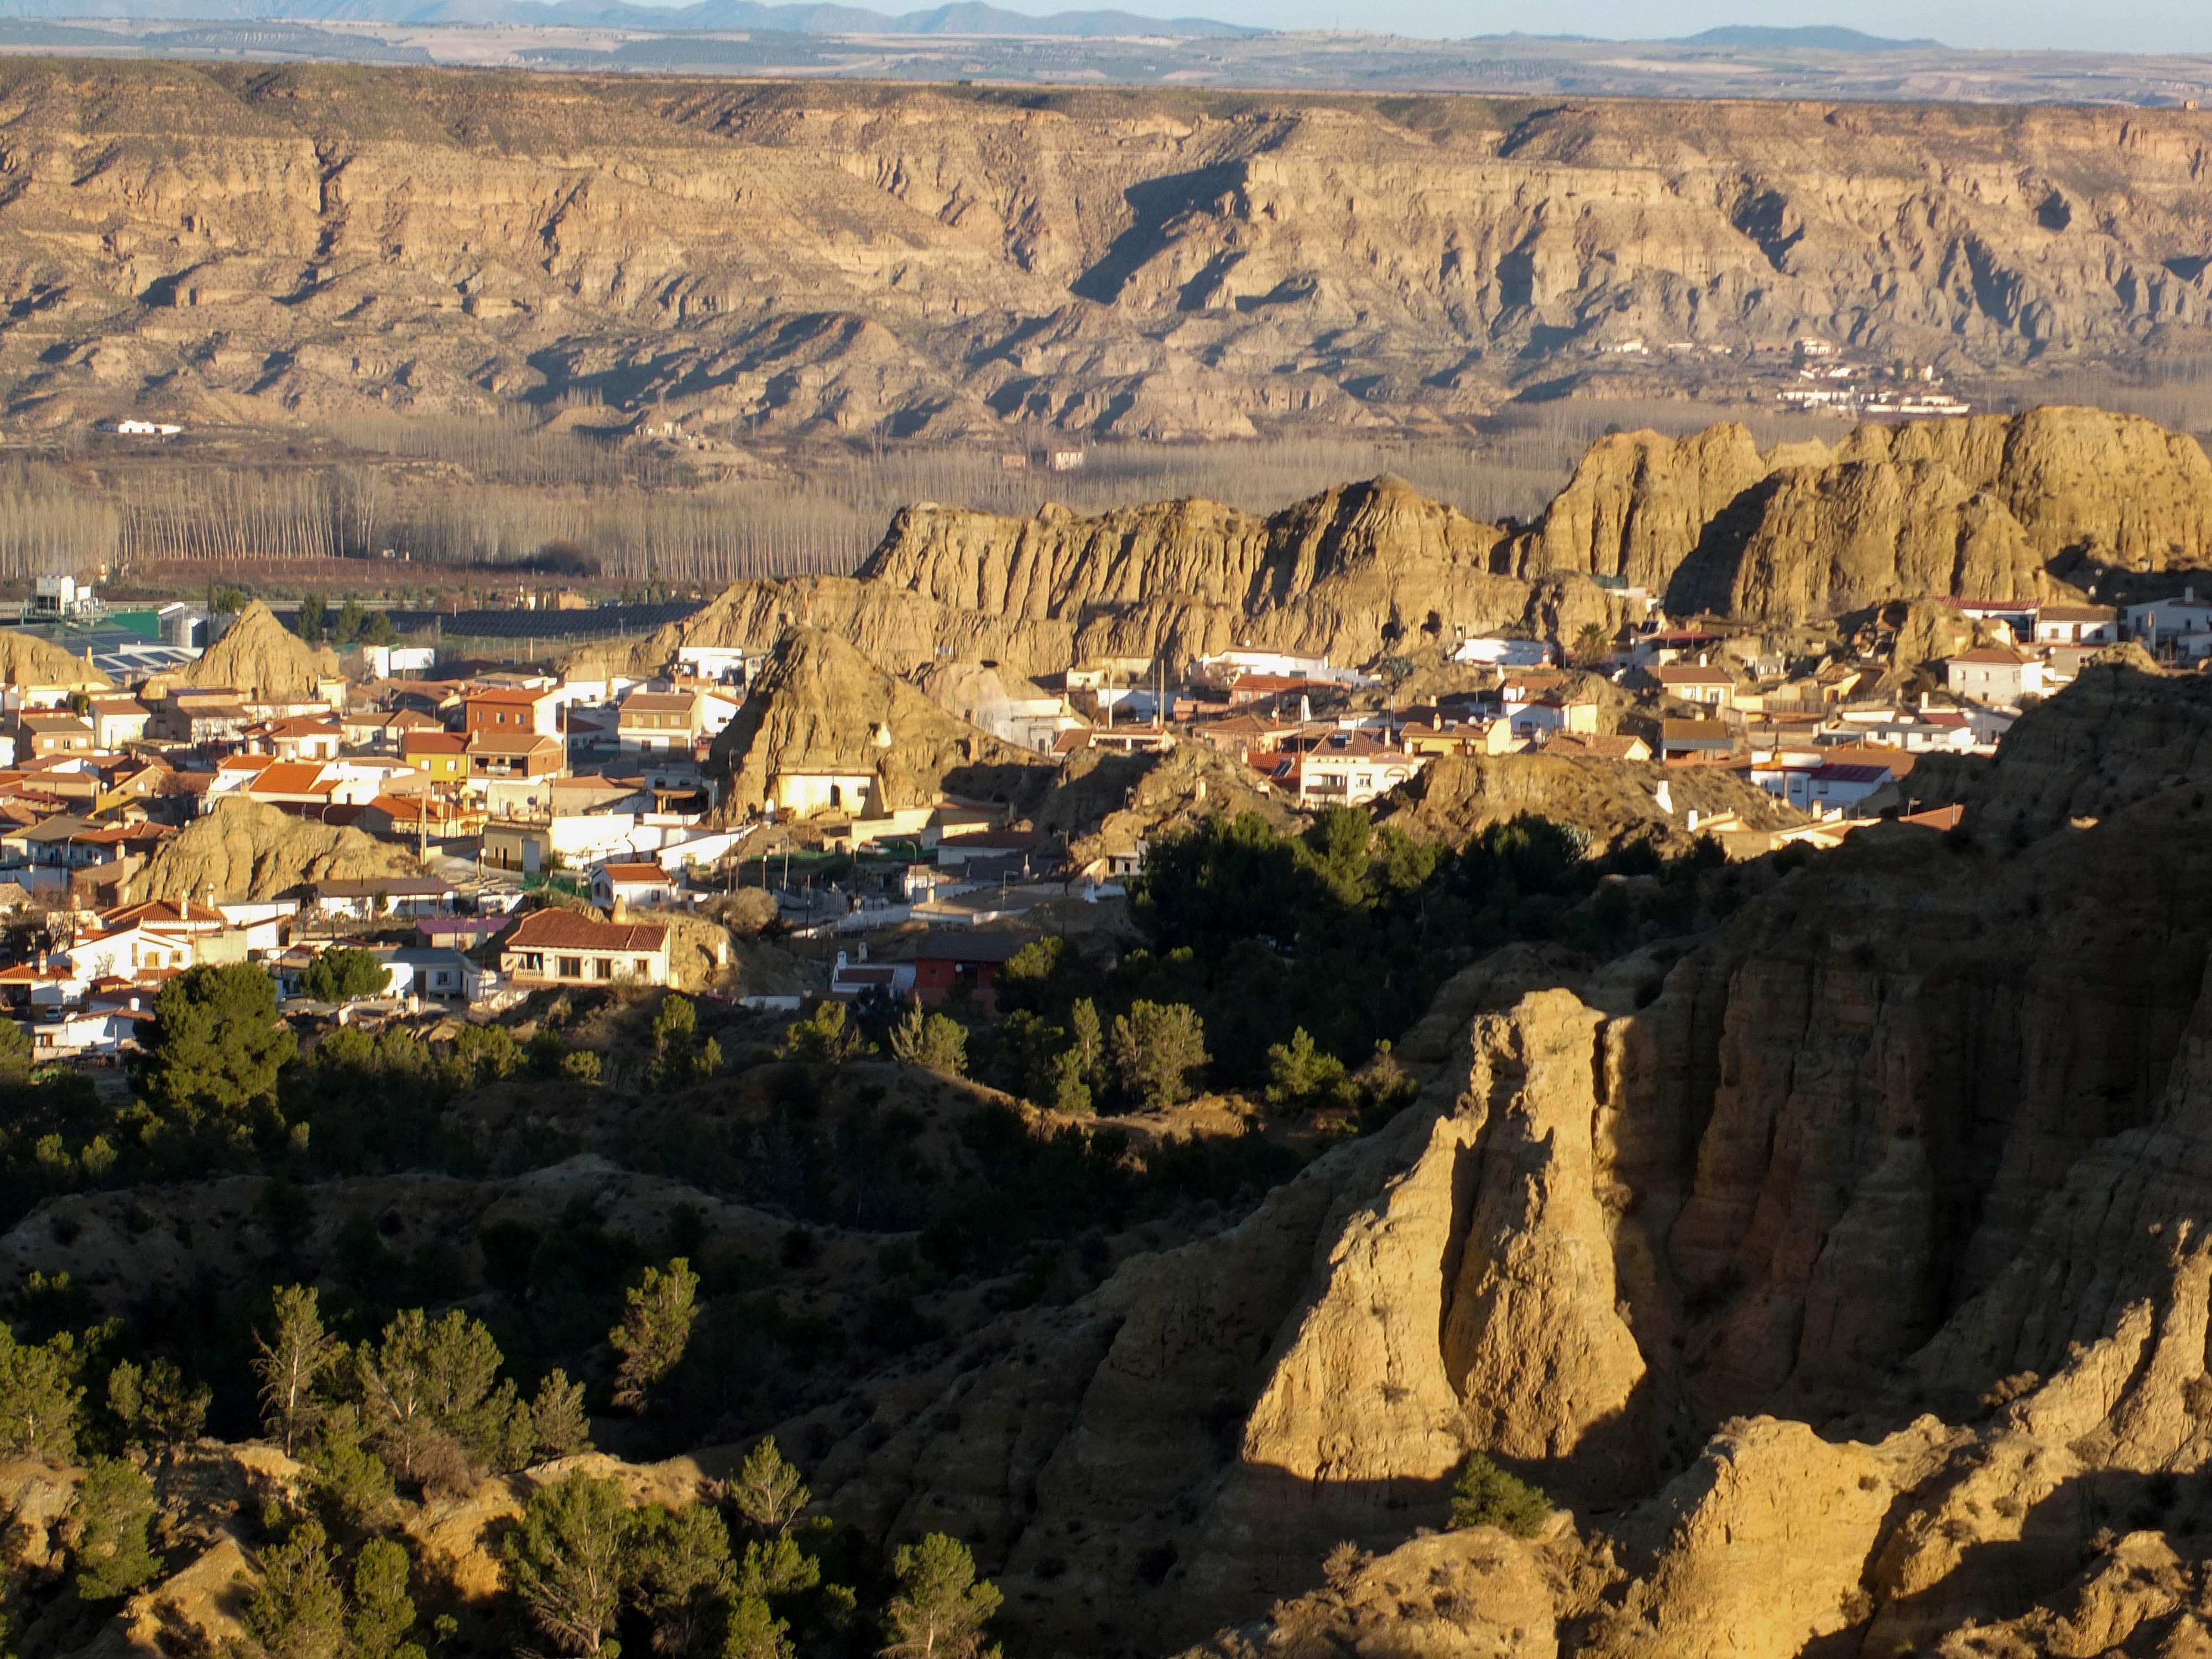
point(606, 968)
point(571, 968)
point(644, 966)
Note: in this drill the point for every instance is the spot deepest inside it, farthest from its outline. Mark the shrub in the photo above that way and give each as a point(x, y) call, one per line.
point(825, 1038)
point(936, 1042)
point(1157, 1048)
point(1484, 1495)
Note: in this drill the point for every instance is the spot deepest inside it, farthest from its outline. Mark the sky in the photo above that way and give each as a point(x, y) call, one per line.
point(2073, 25)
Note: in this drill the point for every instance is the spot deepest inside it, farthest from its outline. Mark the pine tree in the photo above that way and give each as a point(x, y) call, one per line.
point(291, 1366)
point(1071, 1089)
point(383, 1612)
point(1301, 1074)
point(557, 1420)
point(767, 1491)
point(1087, 1041)
point(107, 1531)
point(433, 1401)
point(215, 1046)
point(936, 1042)
point(680, 1572)
point(157, 1410)
point(656, 1327)
point(566, 1559)
point(351, 1480)
point(297, 1610)
point(752, 1630)
point(940, 1610)
point(38, 1397)
point(1157, 1047)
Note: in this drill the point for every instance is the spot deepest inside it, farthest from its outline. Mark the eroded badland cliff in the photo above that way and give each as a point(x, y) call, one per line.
point(2034, 505)
point(1843, 1275)
point(260, 243)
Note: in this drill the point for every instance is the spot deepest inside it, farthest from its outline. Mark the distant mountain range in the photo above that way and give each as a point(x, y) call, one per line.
point(1815, 38)
point(958, 18)
point(964, 17)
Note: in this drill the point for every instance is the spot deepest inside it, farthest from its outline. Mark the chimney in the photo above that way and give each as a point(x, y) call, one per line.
point(1664, 795)
point(1692, 821)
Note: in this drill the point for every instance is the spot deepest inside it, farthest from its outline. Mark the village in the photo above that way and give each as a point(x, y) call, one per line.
point(557, 824)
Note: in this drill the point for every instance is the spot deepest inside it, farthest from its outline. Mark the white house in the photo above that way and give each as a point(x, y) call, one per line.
point(431, 973)
point(1995, 674)
point(2015, 616)
point(637, 886)
point(800, 791)
point(397, 896)
point(726, 664)
point(851, 977)
point(2076, 624)
point(2180, 627)
point(1356, 771)
point(1227, 667)
point(1698, 683)
point(559, 947)
point(1818, 789)
point(1505, 653)
point(1543, 718)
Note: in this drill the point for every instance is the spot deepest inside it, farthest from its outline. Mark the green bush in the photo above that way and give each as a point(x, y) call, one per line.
point(935, 1042)
point(342, 975)
point(1484, 1495)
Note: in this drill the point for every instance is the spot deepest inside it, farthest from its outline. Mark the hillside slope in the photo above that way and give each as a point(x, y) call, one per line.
point(843, 259)
point(1922, 1119)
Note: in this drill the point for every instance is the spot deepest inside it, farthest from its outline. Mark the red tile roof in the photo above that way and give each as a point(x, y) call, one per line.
point(564, 930)
point(290, 778)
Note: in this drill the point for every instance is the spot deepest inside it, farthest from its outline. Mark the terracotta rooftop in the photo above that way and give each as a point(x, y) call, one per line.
point(634, 873)
point(564, 930)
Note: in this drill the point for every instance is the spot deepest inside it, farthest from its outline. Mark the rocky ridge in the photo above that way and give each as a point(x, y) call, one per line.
point(1842, 1274)
point(2027, 507)
point(828, 258)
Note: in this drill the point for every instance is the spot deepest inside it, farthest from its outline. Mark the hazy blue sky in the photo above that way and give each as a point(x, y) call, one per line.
point(2110, 26)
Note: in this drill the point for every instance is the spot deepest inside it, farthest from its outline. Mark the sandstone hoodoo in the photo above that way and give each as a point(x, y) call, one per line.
point(245, 849)
point(259, 657)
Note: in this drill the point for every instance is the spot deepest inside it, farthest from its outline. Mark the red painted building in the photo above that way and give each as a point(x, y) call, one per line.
point(947, 962)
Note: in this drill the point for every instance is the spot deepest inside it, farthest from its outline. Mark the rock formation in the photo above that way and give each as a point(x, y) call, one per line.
point(1888, 1195)
point(837, 258)
point(1111, 803)
point(1615, 803)
point(258, 656)
point(27, 660)
point(243, 849)
point(822, 707)
point(2027, 507)
point(1979, 508)
point(1349, 574)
